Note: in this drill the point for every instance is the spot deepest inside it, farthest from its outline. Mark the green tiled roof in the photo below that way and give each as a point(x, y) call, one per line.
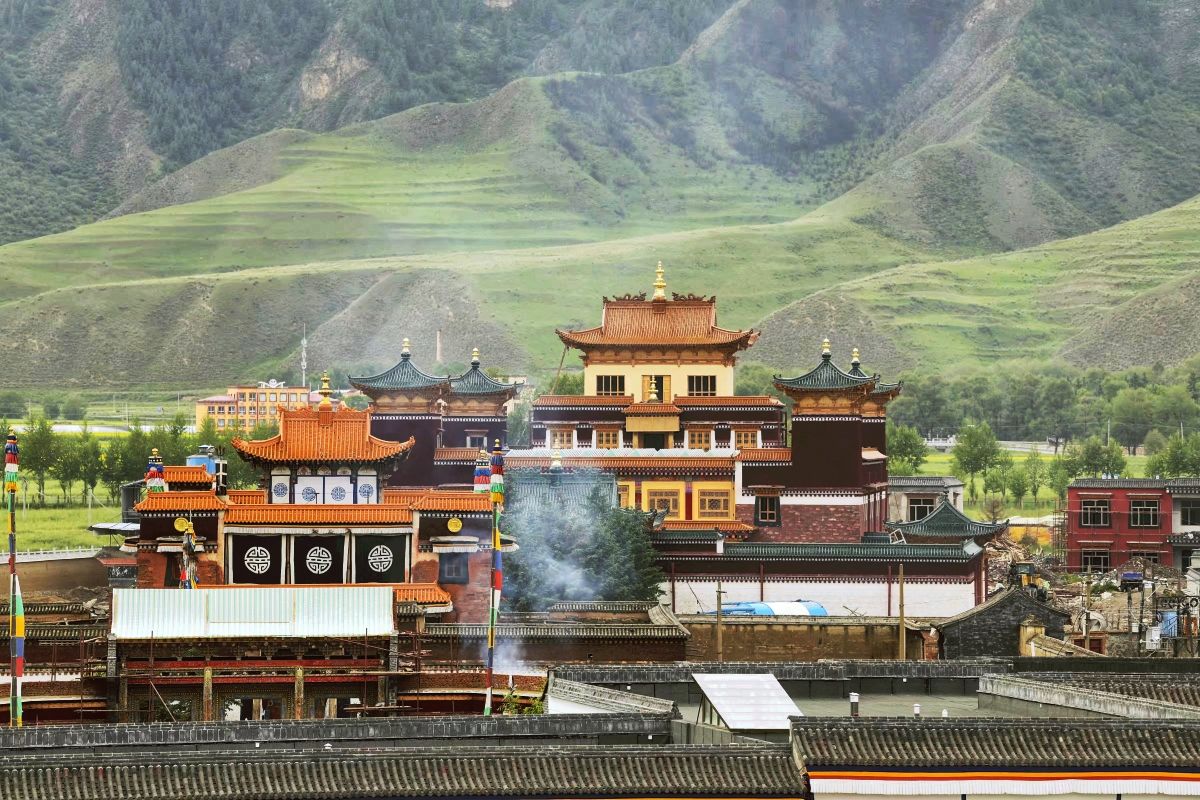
point(697, 535)
point(825, 375)
point(476, 381)
point(404, 375)
point(853, 551)
point(945, 521)
point(566, 489)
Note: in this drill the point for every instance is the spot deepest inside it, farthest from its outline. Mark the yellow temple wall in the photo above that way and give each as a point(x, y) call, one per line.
point(677, 375)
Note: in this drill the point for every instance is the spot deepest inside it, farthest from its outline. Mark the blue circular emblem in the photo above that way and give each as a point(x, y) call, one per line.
point(309, 494)
point(337, 493)
point(366, 490)
point(280, 490)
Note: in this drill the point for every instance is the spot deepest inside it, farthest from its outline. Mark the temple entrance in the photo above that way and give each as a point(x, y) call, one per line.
point(654, 441)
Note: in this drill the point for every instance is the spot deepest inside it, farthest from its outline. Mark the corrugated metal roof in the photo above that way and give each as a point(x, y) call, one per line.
point(275, 611)
point(748, 702)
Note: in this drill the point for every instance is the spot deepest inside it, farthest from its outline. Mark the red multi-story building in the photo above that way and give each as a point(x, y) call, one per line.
point(1113, 520)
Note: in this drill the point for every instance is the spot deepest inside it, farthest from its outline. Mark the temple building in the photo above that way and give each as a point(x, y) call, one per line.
point(449, 418)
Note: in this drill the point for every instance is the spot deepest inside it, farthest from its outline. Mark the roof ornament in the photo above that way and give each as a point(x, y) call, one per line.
point(405, 352)
point(325, 391)
point(825, 352)
point(475, 357)
point(660, 284)
point(854, 357)
point(556, 461)
point(653, 398)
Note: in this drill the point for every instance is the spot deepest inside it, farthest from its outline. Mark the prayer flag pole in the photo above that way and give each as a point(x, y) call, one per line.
point(16, 609)
point(497, 494)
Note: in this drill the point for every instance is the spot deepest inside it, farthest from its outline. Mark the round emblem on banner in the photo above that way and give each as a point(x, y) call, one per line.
point(337, 493)
point(280, 490)
point(309, 494)
point(257, 560)
point(318, 560)
point(454, 524)
point(366, 490)
point(380, 558)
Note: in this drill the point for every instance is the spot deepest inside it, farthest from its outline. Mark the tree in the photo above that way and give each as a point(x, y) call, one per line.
point(1018, 484)
point(68, 463)
point(1175, 410)
point(1035, 473)
point(51, 409)
point(11, 405)
point(518, 423)
point(906, 447)
point(74, 408)
point(37, 451)
point(995, 482)
point(975, 451)
point(1154, 443)
point(1132, 413)
point(1094, 457)
point(1058, 478)
point(1179, 458)
point(91, 460)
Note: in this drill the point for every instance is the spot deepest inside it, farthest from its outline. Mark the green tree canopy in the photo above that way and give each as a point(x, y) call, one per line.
point(906, 449)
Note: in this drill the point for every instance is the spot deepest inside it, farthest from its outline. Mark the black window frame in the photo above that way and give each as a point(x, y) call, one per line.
point(710, 389)
point(450, 565)
point(1089, 507)
point(926, 503)
point(619, 380)
point(1095, 560)
point(1187, 505)
point(771, 503)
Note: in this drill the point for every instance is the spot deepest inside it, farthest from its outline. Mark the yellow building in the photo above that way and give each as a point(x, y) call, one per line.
point(252, 404)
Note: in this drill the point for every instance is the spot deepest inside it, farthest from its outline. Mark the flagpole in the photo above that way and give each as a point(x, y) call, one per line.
point(16, 610)
point(496, 484)
point(483, 485)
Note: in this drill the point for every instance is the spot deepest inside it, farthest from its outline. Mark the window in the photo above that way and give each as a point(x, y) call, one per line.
point(1095, 561)
point(477, 439)
point(702, 385)
point(664, 499)
point(561, 438)
point(623, 495)
point(1147, 556)
point(766, 510)
point(659, 385)
point(452, 568)
point(272, 397)
point(919, 508)
point(1095, 514)
point(220, 423)
point(610, 385)
point(1143, 513)
point(608, 439)
point(713, 504)
point(699, 439)
point(1189, 512)
point(745, 437)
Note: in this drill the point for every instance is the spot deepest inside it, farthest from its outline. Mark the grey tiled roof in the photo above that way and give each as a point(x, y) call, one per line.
point(854, 551)
point(825, 375)
point(567, 489)
point(646, 771)
point(1119, 483)
point(947, 521)
point(923, 481)
point(883, 743)
point(1182, 689)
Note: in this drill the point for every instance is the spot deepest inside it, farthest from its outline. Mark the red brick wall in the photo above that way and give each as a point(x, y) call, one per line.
point(152, 570)
point(815, 524)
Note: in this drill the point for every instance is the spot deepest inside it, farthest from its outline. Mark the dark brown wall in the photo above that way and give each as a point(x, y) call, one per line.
point(791, 641)
point(563, 650)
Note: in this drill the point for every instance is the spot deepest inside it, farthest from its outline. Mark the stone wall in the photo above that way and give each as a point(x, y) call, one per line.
point(556, 650)
point(868, 595)
point(993, 630)
point(797, 638)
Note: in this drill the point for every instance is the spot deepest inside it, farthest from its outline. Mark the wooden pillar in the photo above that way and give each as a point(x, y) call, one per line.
point(123, 701)
point(207, 696)
point(298, 699)
point(902, 649)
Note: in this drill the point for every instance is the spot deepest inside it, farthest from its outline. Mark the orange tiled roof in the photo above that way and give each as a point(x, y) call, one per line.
point(427, 594)
point(583, 400)
point(309, 435)
point(633, 322)
point(765, 454)
point(290, 514)
point(456, 454)
point(186, 475)
point(725, 526)
point(739, 400)
point(180, 501)
point(403, 497)
point(652, 410)
point(453, 501)
point(247, 496)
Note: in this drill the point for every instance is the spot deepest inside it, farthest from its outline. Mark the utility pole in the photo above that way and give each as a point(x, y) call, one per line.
point(720, 627)
point(304, 358)
point(902, 648)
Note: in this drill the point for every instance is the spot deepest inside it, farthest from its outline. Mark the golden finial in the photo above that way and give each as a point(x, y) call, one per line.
point(325, 391)
point(653, 398)
point(556, 460)
point(854, 356)
point(475, 355)
point(660, 285)
point(404, 347)
point(154, 452)
point(825, 347)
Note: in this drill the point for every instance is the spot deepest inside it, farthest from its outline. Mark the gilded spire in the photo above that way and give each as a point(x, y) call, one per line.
point(854, 356)
point(475, 357)
point(404, 348)
point(325, 391)
point(825, 352)
point(653, 398)
point(660, 285)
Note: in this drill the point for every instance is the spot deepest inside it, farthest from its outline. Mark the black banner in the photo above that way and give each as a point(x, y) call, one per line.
point(318, 559)
point(379, 559)
point(257, 559)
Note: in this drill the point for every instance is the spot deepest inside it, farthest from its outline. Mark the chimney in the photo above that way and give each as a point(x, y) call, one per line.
point(1031, 628)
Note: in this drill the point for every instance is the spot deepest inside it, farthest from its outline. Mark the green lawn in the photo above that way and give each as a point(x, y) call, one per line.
point(55, 528)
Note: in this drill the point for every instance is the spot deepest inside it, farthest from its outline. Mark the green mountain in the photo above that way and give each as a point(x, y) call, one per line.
point(847, 167)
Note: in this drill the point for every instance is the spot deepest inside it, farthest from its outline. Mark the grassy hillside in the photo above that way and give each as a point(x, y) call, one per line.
point(1114, 298)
